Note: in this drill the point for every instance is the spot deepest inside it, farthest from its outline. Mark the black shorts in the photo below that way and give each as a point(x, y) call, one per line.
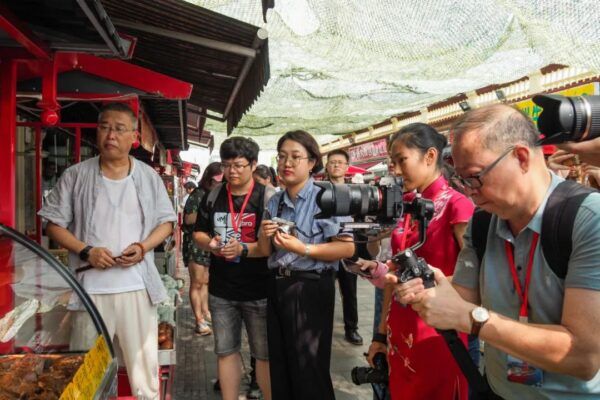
point(191, 252)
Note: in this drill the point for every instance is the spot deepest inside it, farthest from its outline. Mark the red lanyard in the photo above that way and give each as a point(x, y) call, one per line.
point(235, 219)
point(523, 293)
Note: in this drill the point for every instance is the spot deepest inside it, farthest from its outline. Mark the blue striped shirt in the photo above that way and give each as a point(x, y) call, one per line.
point(309, 229)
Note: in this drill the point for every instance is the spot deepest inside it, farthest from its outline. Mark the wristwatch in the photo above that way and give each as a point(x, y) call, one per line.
point(244, 250)
point(85, 253)
point(479, 316)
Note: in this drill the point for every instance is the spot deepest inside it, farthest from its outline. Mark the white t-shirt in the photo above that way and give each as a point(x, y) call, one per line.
point(116, 223)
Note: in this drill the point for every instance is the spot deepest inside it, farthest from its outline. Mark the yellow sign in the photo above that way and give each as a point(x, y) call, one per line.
point(89, 376)
point(533, 110)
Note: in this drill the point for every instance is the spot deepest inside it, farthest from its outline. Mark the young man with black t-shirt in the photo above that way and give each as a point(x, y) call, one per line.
point(227, 226)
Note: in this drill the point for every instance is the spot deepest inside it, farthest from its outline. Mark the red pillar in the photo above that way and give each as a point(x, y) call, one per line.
point(8, 161)
point(8, 100)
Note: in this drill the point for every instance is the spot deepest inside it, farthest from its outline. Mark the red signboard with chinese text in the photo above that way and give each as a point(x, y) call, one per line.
point(368, 151)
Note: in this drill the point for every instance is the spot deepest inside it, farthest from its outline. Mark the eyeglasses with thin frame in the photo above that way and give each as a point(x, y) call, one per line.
point(474, 181)
point(294, 160)
point(335, 163)
point(120, 130)
point(237, 167)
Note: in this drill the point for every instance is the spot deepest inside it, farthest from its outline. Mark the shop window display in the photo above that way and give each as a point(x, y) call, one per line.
point(40, 354)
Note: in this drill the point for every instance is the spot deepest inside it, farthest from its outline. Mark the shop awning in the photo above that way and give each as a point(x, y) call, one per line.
point(170, 119)
point(40, 27)
point(379, 167)
point(226, 60)
point(87, 78)
point(353, 170)
point(365, 165)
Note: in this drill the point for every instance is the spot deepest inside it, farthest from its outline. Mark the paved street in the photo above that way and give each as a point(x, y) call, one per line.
point(196, 362)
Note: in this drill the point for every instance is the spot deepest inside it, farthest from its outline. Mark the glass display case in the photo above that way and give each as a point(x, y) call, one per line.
point(173, 190)
point(53, 342)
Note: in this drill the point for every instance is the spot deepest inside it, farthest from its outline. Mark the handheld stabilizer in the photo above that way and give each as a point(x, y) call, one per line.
point(412, 267)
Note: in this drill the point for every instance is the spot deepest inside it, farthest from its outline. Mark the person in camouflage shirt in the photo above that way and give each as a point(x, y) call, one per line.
point(194, 258)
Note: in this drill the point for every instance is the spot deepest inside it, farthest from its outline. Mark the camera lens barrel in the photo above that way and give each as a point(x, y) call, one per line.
point(590, 111)
point(564, 119)
point(379, 374)
point(348, 199)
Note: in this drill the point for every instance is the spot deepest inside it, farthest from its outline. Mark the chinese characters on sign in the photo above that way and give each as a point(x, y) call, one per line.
point(368, 151)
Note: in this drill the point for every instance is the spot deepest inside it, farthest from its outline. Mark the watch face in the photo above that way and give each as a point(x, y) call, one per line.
point(480, 314)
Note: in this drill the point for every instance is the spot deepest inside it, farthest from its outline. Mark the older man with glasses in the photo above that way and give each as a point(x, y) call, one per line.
point(110, 212)
point(540, 330)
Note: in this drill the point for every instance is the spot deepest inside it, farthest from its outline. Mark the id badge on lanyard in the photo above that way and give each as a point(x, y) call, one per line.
point(517, 370)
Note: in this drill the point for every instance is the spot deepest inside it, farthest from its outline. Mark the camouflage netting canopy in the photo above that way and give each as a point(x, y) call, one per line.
point(342, 65)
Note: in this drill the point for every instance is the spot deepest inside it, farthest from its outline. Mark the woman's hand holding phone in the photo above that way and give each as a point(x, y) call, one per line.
point(360, 267)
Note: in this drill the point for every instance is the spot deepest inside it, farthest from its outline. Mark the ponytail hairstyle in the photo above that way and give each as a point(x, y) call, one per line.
point(274, 180)
point(421, 137)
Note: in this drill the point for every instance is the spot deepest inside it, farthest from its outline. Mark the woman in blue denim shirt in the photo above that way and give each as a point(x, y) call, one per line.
point(301, 293)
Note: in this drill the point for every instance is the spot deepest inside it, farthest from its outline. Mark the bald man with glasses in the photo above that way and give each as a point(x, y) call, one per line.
point(540, 330)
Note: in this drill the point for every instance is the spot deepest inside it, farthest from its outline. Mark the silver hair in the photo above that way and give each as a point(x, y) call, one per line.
point(120, 107)
point(498, 127)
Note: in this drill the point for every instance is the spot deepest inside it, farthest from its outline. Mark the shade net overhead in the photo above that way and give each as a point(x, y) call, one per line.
point(343, 65)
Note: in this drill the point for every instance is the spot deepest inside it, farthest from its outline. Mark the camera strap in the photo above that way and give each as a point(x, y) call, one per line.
point(280, 206)
point(479, 386)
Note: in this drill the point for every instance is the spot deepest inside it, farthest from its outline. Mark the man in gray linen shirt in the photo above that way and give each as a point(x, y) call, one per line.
point(110, 212)
point(548, 347)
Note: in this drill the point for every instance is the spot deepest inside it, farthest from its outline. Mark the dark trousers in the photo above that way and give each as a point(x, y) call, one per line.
point(347, 282)
point(300, 326)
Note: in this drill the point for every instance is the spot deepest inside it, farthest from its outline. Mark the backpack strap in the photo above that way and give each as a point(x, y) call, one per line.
point(480, 225)
point(210, 202)
point(557, 224)
point(263, 200)
point(212, 196)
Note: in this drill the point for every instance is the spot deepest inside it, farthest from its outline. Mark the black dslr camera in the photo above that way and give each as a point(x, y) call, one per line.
point(568, 119)
point(386, 204)
point(378, 374)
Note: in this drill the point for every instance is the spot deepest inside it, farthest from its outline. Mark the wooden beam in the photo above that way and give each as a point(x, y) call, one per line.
point(186, 37)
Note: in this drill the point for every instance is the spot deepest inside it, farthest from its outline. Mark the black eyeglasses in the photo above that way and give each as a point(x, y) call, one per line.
point(119, 130)
point(237, 167)
point(294, 160)
point(474, 181)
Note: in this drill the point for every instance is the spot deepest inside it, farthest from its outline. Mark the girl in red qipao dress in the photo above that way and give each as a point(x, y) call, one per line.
point(421, 366)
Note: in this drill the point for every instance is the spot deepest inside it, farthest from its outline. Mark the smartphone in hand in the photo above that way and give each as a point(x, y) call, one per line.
point(354, 267)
